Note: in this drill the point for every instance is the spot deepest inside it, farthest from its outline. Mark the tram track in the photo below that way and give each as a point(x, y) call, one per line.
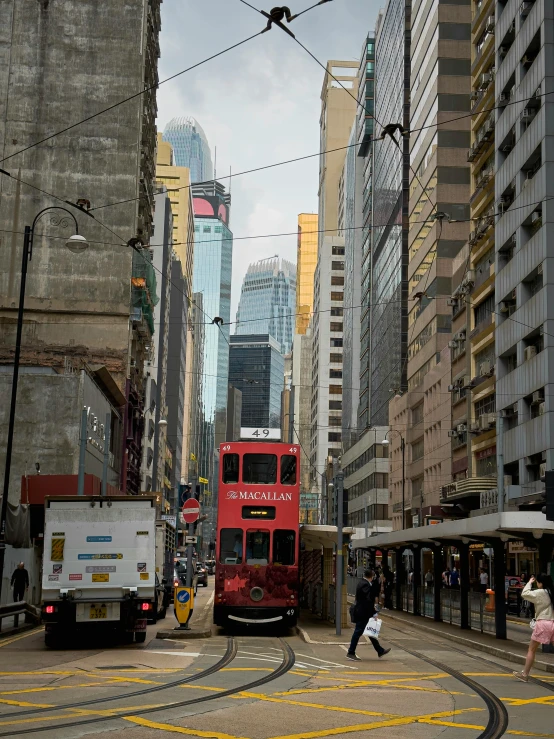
point(286, 664)
point(498, 715)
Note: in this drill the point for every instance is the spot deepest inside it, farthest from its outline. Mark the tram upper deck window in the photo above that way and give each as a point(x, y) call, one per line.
point(259, 469)
point(230, 468)
point(288, 469)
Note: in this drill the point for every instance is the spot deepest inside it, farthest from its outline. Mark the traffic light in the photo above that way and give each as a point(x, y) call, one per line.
point(549, 491)
point(197, 492)
point(184, 492)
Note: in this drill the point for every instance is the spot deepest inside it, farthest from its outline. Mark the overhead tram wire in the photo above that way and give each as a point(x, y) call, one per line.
point(130, 97)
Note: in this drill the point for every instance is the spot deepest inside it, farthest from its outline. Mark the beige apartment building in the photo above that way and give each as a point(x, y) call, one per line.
point(438, 230)
point(177, 181)
point(306, 260)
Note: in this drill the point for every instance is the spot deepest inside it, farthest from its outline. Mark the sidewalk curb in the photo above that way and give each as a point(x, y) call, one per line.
point(184, 634)
point(496, 651)
point(15, 630)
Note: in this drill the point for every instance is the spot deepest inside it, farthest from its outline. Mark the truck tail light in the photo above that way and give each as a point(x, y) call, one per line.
point(146, 606)
point(50, 609)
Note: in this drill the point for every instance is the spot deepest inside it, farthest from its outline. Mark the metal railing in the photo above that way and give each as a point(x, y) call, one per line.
point(15, 610)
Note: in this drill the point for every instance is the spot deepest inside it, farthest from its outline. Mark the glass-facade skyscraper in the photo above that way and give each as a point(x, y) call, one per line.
point(190, 147)
point(391, 161)
point(267, 302)
point(213, 262)
point(256, 368)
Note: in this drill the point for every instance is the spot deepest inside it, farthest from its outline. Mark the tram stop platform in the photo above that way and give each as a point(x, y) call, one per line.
point(314, 630)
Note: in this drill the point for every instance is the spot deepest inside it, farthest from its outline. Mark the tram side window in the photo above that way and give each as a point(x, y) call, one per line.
point(230, 546)
point(288, 470)
point(283, 547)
point(259, 469)
point(257, 547)
point(230, 468)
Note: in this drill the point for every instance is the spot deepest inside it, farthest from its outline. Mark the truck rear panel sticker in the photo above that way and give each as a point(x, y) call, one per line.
point(56, 550)
point(99, 538)
point(53, 578)
point(57, 569)
point(142, 533)
point(101, 577)
point(141, 566)
point(76, 576)
point(99, 556)
point(100, 568)
point(144, 576)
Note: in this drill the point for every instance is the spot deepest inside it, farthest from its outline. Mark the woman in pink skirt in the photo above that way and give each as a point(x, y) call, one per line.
point(543, 633)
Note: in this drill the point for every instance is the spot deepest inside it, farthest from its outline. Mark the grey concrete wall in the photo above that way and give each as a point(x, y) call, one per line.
point(62, 61)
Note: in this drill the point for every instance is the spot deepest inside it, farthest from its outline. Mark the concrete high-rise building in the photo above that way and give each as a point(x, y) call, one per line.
point(300, 420)
point(338, 109)
point(77, 308)
point(389, 259)
point(155, 403)
point(326, 344)
point(256, 368)
point(268, 300)
point(178, 182)
point(213, 266)
point(306, 260)
point(439, 226)
point(190, 147)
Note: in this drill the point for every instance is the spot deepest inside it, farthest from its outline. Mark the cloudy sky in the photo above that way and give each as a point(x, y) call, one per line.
point(259, 104)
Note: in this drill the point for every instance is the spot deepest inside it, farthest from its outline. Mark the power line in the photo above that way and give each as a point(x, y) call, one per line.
point(130, 97)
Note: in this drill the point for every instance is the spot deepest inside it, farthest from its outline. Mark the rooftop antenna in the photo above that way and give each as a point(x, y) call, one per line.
point(215, 166)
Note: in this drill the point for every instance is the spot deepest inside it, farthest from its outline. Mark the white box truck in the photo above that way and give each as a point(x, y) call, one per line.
point(99, 565)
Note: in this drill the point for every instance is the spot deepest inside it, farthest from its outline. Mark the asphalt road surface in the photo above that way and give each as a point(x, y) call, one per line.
point(263, 686)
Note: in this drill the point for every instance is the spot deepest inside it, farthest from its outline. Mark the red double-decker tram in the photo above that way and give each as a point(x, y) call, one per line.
point(258, 534)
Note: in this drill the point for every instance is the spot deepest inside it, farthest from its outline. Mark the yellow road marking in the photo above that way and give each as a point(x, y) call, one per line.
point(25, 704)
point(544, 700)
point(179, 729)
point(270, 699)
point(111, 681)
point(480, 728)
point(5, 642)
point(75, 713)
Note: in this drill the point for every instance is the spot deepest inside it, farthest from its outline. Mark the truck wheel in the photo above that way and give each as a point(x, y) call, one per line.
point(140, 637)
point(51, 640)
point(162, 613)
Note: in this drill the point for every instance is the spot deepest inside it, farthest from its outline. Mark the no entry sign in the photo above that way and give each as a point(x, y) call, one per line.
point(191, 510)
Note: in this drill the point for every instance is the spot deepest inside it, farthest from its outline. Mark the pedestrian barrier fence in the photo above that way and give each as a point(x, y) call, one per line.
point(14, 610)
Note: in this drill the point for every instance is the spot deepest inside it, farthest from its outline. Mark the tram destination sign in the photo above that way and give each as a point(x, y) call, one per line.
point(260, 434)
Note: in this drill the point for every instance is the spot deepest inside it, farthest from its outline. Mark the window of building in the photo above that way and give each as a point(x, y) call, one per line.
point(207, 229)
point(485, 405)
point(417, 414)
point(337, 311)
point(484, 310)
point(283, 547)
point(417, 450)
point(336, 343)
point(485, 463)
point(288, 469)
point(336, 280)
point(335, 405)
point(337, 265)
point(335, 389)
point(259, 469)
point(337, 296)
point(336, 326)
point(335, 357)
point(230, 468)
point(335, 421)
point(337, 251)
point(335, 373)
point(333, 436)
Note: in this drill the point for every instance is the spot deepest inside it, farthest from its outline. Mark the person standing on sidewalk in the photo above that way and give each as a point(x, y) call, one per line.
point(367, 595)
point(543, 633)
point(19, 582)
point(483, 580)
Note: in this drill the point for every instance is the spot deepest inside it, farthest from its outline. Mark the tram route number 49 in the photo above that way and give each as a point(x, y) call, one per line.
point(290, 612)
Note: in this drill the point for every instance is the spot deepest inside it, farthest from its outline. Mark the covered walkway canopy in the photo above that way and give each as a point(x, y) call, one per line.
point(495, 529)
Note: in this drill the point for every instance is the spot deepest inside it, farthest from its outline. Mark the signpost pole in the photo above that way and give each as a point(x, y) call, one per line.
point(339, 563)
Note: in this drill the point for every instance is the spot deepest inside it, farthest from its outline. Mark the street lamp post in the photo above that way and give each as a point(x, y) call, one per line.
point(403, 450)
point(76, 244)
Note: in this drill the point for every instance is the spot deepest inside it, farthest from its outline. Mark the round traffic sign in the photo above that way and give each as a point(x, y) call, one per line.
point(183, 596)
point(191, 510)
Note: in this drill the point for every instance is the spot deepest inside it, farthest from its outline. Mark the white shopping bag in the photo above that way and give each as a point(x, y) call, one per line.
point(373, 627)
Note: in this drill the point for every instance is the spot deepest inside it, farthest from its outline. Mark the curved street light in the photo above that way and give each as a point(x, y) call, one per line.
point(77, 244)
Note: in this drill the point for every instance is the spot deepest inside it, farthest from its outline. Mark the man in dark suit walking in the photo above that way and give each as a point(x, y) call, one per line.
point(367, 595)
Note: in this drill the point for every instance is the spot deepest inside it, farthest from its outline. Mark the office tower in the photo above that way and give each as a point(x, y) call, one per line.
point(523, 192)
point(439, 227)
point(366, 129)
point(212, 278)
point(190, 147)
point(388, 320)
point(355, 225)
point(72, 300)
point(256, 368)
point(156, 375)
point(268, 300)
point(306, 259)
point(338, 109)
point(300, 422)
point(178, 182)
point(326, 345)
